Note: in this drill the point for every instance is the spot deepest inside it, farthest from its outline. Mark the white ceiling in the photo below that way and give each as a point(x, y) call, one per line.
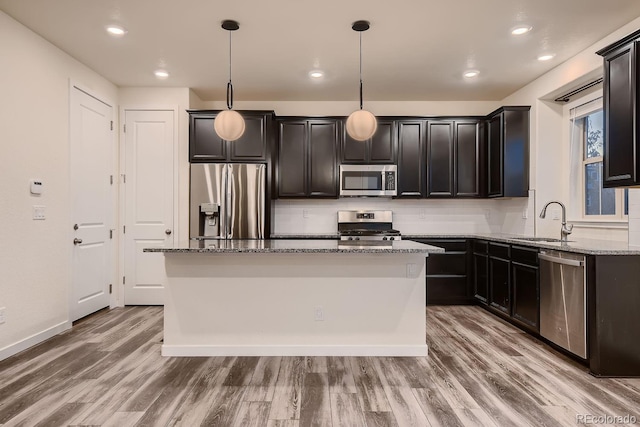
point(415, 49)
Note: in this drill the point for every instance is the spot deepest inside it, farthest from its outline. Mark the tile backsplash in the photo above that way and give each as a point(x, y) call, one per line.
point(423, 216)
point(634, 217)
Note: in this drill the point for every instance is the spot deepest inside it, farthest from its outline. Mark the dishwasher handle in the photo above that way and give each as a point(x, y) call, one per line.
point(572, 262)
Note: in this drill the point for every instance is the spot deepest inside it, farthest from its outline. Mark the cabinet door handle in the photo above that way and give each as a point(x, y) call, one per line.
point(77, 241)
point(167, 232)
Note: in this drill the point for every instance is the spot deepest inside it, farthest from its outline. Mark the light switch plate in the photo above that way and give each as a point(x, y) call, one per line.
point(38, 212)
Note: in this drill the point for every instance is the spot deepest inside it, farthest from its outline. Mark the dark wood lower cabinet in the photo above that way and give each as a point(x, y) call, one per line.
point(449, 274)
point(613, 317)
point(526, 292)
point(525, 283)
point(499, 284)
point(499, 277)
point(481, 271)
point(507, 282)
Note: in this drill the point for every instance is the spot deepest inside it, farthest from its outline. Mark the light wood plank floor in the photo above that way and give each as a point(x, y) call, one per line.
point(107, 370)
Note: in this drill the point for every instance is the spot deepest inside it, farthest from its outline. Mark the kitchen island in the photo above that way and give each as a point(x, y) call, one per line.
point(295, 297)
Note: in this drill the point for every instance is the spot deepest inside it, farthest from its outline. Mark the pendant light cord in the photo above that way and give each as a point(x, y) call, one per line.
point(360, 32)
point(229, 85)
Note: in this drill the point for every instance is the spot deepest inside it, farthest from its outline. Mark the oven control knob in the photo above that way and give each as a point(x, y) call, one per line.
point(350, 238)
point(392, 238)
point(385, 238)
point(357, 238)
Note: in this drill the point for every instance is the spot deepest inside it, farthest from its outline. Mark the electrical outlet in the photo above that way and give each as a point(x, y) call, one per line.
point(525, 214)
point(555, 214)
point(2, 318)
point(318, 314)
point(423, 214)
point(412, 270)
point(305, 213)
point(38, 212)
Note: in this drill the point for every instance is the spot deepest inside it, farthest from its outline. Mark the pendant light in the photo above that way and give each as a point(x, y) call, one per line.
point(229, 124)
point(361, 124)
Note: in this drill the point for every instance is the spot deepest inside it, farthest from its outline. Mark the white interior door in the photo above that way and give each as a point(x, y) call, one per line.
point(92, 152)
point(148, 184)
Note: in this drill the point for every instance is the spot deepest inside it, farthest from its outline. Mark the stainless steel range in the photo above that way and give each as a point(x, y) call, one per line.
point(367, 225)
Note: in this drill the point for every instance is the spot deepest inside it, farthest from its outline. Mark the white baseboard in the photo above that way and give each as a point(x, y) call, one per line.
point(24, 344)
point(295, 350)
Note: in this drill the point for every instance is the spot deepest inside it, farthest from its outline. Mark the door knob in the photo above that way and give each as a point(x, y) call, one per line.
point(77, 241)
point(167, 232)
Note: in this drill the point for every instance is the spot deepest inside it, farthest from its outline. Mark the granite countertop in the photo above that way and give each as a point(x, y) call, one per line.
point(298, 246)
point(580, 246)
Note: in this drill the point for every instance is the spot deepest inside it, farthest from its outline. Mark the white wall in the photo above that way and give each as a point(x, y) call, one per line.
point(35, 256)
point(549, 151)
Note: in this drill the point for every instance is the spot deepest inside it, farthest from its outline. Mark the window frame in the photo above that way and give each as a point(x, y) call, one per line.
point(588, 104)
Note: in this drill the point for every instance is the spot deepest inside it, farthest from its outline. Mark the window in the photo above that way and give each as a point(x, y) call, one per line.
point(587, 144)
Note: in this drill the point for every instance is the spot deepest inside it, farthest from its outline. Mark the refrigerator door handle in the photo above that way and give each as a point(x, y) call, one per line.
point(229, 201)
point(261, 200)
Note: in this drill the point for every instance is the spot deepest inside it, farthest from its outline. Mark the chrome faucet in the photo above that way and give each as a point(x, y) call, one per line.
point(565, 230)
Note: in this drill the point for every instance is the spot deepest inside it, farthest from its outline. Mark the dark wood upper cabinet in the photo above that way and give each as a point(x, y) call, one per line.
point(206, 146)
point(440, 158)
point(292, 159)
point(621, 111)
point(508, 152)
point(411, 158)
point(381, 148)
point(204, 143)
point(495, 159)
point(323, 161)
point(454, 158)
point(469, 159)
point(307, 157)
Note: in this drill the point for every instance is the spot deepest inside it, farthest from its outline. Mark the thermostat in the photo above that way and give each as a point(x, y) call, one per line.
point(36, 187)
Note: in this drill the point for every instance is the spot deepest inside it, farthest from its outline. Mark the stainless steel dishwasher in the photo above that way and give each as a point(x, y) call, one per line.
point(563, 300)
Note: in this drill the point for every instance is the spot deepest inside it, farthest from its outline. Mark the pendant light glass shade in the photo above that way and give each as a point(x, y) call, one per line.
point(229, 124)
point(361, 124)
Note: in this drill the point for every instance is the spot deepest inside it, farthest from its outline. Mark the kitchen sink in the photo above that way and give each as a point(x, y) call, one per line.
point(540, 239)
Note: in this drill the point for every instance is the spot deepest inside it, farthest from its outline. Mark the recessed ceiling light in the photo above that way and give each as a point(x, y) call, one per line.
point(316, 74)
point(521, 29)
point(546, 57)
point(116, 30)
point(469, 74)
point(161, 74)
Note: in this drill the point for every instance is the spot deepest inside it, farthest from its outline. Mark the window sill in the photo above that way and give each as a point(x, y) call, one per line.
point(621, 224)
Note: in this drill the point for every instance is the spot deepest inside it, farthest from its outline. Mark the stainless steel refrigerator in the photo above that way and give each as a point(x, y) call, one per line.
point(227, 201)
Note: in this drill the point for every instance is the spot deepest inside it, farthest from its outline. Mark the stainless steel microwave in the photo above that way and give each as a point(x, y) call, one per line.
point(368, 180)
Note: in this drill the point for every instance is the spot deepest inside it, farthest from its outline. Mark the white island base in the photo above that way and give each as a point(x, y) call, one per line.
point(295, 304)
